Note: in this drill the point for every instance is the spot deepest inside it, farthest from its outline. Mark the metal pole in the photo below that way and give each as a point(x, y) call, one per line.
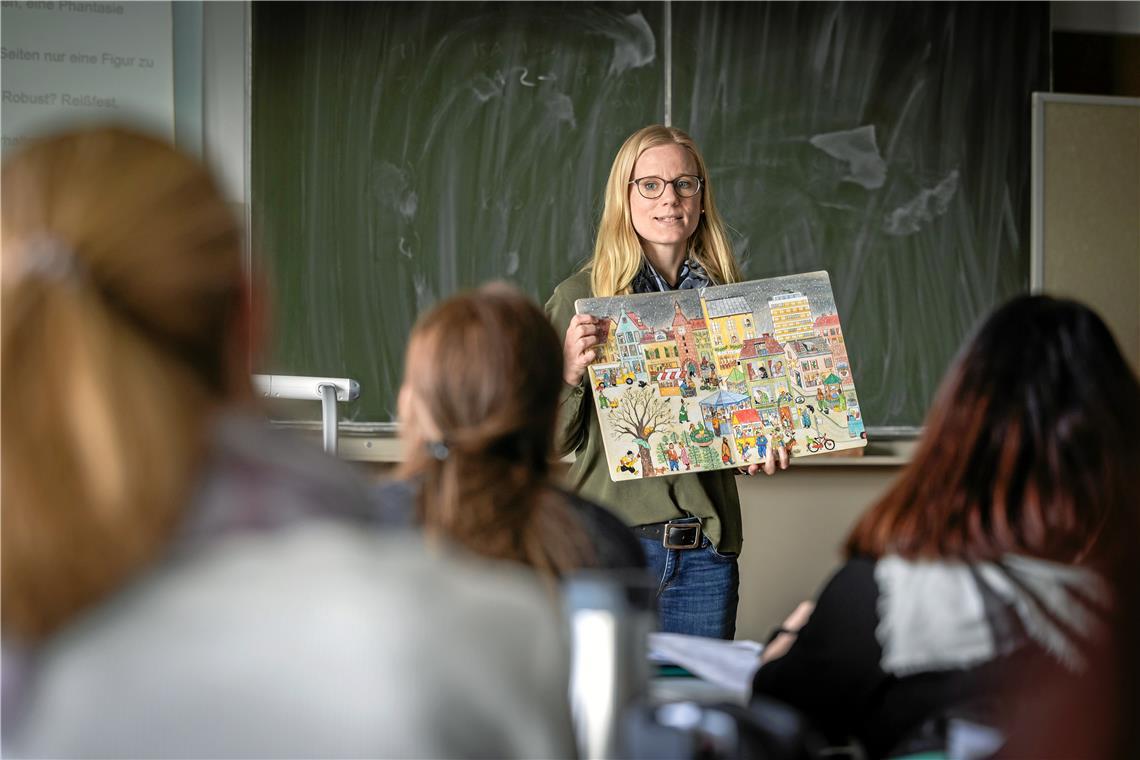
point(329, 416)
point(327, 390)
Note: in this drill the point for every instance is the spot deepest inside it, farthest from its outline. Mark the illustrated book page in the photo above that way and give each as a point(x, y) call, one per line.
point(694, 380)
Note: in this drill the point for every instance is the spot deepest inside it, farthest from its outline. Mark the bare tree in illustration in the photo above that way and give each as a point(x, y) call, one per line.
point(641, 412)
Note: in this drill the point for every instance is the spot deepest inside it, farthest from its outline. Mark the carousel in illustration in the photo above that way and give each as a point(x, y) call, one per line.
point(693, 380)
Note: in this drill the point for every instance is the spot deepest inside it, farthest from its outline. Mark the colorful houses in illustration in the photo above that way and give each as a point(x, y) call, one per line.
point(719, 385)
point(730, 322)
point(660, 352)
point(630, 330)
point(809, 361)
point(694, 348)
point(607, 348)
point(763, 362)
point(791, 316)
point(827, 327)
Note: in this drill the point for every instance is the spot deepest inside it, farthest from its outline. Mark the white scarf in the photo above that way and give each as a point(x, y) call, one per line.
point(933, 613)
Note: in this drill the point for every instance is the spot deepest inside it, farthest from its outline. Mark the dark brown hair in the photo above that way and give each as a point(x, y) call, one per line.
point(1031, 447)
point(486, 369)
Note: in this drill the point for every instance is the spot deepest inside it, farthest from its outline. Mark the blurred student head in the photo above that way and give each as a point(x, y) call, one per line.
point(122, 316)
point(1030, 448)
point(478, 409)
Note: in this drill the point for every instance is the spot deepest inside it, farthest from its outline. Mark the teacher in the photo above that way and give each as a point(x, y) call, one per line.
point(659, 231)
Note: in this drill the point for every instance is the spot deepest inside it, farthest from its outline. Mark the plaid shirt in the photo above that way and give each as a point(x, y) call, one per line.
point(691, 277)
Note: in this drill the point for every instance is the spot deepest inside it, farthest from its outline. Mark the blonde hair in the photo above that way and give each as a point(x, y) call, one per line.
point(617, 253)
point(471, 371)
point(121, 282)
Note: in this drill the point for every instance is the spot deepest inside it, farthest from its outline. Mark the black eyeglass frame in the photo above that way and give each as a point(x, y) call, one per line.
point(664, 182)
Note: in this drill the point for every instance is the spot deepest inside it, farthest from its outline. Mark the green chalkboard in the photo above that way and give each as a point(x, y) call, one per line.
point(402, 151)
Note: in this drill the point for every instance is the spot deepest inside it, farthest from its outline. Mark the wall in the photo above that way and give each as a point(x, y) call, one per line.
point(224, 100)
point(1104, 17)
point(794, 526)
point(1087, 231)
point(1096, 48)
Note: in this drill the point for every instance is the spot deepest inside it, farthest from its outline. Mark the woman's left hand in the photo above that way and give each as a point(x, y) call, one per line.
point(780, 645)
point(771, 462)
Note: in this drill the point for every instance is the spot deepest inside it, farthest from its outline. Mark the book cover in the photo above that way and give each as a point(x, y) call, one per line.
point(695, 380)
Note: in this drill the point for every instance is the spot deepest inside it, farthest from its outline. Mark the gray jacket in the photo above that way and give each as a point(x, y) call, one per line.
point(280, 626)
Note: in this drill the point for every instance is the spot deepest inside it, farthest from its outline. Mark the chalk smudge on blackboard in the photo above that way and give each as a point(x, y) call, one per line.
point(408, 205)
point(425, 295)
point(908, 218)
point(486, 87)
point(560, 108)
point(391, 187)
point(634, 44)
point(858, 148)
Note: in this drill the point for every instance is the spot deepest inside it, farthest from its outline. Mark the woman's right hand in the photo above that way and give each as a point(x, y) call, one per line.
point(578, 347)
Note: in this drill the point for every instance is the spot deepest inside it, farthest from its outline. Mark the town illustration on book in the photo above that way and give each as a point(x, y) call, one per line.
point(696, 380)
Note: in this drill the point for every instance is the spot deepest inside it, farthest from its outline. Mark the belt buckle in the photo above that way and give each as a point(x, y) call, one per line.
point(677, 535)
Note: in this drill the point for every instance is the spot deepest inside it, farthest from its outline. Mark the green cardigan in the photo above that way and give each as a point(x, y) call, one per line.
point(711, 496)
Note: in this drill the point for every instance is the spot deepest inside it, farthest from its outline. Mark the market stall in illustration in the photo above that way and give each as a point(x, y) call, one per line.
point(694, 380)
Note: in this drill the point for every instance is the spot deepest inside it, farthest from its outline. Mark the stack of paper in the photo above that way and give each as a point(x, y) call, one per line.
point(729, 665)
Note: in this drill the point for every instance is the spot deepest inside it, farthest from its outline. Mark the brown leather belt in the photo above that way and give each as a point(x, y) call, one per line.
point(684, 533)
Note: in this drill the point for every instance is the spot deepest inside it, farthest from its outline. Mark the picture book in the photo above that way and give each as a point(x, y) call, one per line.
point(695, 380)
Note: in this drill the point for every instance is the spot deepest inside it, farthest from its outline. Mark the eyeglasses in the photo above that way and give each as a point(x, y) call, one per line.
point(686, 186)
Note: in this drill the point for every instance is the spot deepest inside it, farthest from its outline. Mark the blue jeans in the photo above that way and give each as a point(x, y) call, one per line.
point(697, 590)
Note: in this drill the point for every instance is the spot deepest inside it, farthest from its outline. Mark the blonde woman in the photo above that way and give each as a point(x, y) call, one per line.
point(179, 580)
point(660, 230)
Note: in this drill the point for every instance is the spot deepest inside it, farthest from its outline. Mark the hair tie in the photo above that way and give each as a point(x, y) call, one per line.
point(48, 258)
point(438, 449)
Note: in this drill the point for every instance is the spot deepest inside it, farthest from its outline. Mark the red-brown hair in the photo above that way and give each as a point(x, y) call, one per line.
point(1031, 447)
point(486, 369)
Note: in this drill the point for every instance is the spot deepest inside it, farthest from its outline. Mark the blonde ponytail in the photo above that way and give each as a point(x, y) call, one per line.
point(121, 276)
